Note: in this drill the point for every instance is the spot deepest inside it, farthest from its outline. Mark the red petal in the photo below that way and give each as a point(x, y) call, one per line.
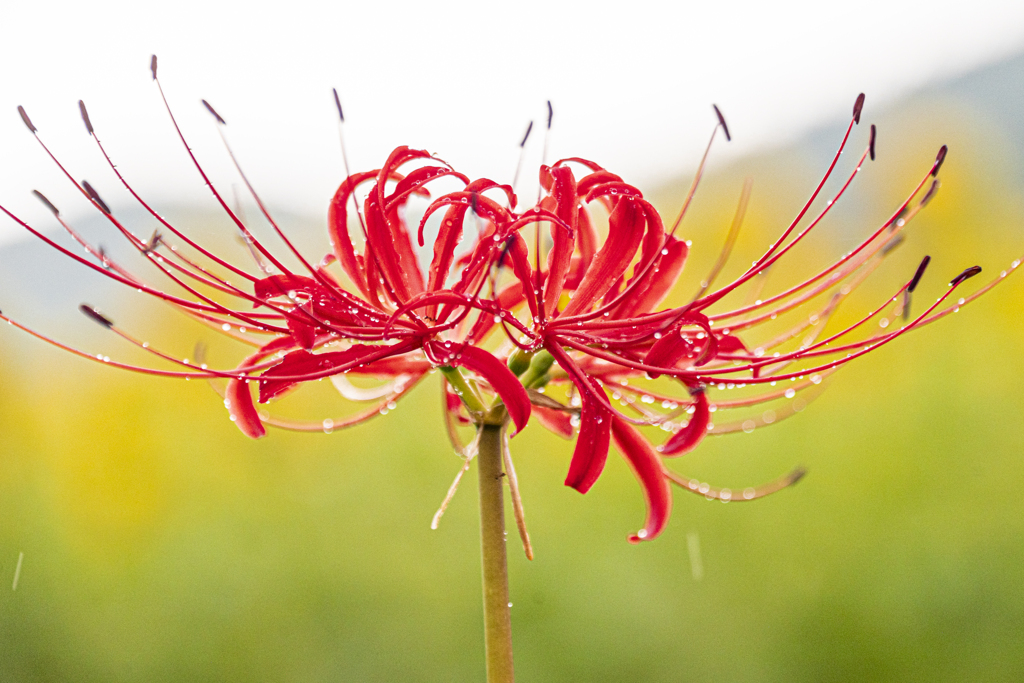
point(557, 421)
point(497, 374)
point(280, 285)
point(303, 333)
point(676, 343)
point(591, 452)
point(507, 299)
point(687, 438)
point(648, 469)
point(239, 400)
point(658, 282)
point(564, 242)
point(625, 227)
point(586, 235)
point(337, 229)
point(298, 363)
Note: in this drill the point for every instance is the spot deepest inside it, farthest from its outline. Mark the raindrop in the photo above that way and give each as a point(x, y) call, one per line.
point(790, 393)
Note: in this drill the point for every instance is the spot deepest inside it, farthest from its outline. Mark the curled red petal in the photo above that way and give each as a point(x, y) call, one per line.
point(591, 452)
point(497, 374)
point(687, 438)
point(647, 466)
point(563, 241)
point(598, 177)
point(239, 400)
point(337, 229)
point(556, 421)
point(284, 286)
point(675, 343)
point(658, 281)
point(587, 238)
point(625, 229)
point(283, 376)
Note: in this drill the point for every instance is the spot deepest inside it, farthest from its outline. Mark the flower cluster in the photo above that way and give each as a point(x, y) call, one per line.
point(555, 312)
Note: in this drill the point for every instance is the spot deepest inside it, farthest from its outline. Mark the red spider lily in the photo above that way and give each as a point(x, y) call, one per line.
point(594, 312)
point(305, 323)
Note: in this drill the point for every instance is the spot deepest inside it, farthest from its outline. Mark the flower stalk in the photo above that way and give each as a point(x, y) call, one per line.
point(497, 612)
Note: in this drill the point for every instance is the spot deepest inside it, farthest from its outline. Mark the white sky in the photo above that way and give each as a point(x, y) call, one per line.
point(632, 83)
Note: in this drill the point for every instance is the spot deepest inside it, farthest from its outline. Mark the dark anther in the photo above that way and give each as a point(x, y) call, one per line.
point(920, 272)
point(527, 136)
point(104, 261)
point(893, 243)
point(896, 219)
point(857, 107)
point(694, 391)
point(930, 193)
point(152, 66)
point(551, 114)
point(337, 103)
point(871, 143)
point(26, 119)
point(96, 315)
point(199, 353)
point(797, 474)
point(85, 116)
point(966, 275)
point(721, 122)
point(95, 197)
point(154, 241)
point(939, 158)
point(213, 111)
point(47, 202)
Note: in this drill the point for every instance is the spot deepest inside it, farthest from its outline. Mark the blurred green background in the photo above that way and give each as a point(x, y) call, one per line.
point(161, 545)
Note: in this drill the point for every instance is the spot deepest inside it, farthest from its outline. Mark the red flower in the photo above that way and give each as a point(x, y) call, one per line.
point(588, 323)
point(595, 314)
point(394, 321)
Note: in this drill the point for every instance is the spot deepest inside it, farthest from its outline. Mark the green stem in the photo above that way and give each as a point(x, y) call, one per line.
point(497, 615)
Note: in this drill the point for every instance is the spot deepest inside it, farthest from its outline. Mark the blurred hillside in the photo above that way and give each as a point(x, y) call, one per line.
point(161, 545)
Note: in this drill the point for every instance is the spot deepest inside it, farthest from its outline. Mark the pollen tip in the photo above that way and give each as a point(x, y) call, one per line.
point(797, 474)
point(152, 66)
point(551, 114)
point(85, 116)
point(858, 106)
point(526, 137)
point(966, 275)
point(94, 195)
point(337, 103)
point(199, 352)
point(919, 273)
point(209, 108)
point(871, 142)
point(930, 193)
point(26, 119)
point(96, 316)
point(49, 205)
point(721, 122)
point(893, 243)
point(939, 158)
